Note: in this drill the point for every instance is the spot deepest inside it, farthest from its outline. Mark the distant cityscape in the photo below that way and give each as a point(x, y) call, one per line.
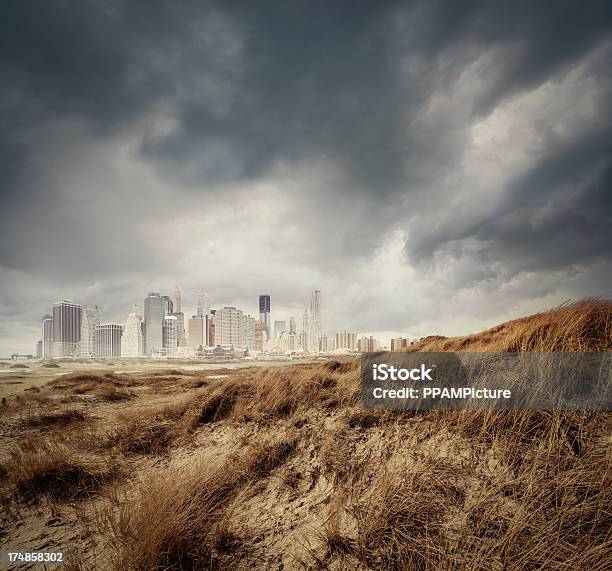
point(74, 330)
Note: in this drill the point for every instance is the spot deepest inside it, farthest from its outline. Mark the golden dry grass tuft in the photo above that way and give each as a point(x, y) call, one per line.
point(177, 520)
point(46, 467)
point(580, 326)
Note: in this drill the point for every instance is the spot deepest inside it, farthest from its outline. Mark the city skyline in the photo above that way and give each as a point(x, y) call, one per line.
point(76, 330)
point(432, 168)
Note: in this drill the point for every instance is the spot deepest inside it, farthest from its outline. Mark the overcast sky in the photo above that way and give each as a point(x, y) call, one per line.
point(432, 168)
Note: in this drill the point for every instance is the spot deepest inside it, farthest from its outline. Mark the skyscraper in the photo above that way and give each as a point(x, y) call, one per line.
point(345, 340)
point(154, 313)
point(90, 318)
point(259, 336)
point(180, 316)
point(67, 318)
point(196, 331)
point(132, 339)
point(229, 327)
point(168, 304)
point(47, 336)
point(177, 299)
point(305, 334)
point(279, 328)
point(292, 328)
point(264, 313)
point(170, 335)
point(108, 340)
point(249, 333)
point(315, 320)
point(203, 305)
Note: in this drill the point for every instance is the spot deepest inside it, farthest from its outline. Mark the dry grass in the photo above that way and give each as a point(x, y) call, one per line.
point(581, 326)
point(46, 467)
point(178, 519)
point(281, 466)
point(61, 418)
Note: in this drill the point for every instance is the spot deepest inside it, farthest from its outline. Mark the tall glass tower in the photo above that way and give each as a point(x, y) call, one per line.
point(154, 313)
point(67, 317)
point(315, 320)
point(264, 313)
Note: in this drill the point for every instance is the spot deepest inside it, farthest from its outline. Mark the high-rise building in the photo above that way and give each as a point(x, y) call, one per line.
point(180, 323)
point(290, 342)
point(132, 344)
point(264, 313)
point(203, 305)
point(154, 313)
point(279, 328)
point(260, 336)
point(345, 341)
point(180, 316)
point(305, 334)
point(39, 349)
point(292, 328)
point(168, 304)
point(90, 318)
point(170, 335)
point(177, 300)
point(327, 344)
point(47, 336)
point(67, 318)
point(229, 327)
point(196, 331)
point(249, 333)
point(210, 328)
point(108, 340)
point(315, 320)
point(368, 344)
point(399, 343)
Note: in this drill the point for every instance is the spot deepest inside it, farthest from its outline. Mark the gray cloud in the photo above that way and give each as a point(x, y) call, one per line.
point(237, 147)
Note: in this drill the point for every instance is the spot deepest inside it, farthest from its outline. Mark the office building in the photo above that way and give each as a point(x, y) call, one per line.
point(39, 349)
point(154, 313)
point(327, 344)
point(67, 320)
point(210, 328)
point(260, 336)
point(279, 328)
point(168, 304)
point(305, 334)
point(264, 313)
point(132, 343)
point(315, 320)
point(345, 341)
point(170, 335)
point(368, 344)
point(203, 307)
point(229, 327)
point(107, 340)
point(180, 323)
point(47, 336)
point(249, 333)
point(196, 332)
point(178, 306)
point(292, 328)
point(399, 343)
point(90, 318)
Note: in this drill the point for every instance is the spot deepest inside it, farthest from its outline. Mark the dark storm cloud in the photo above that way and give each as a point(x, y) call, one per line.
point(380, 97)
